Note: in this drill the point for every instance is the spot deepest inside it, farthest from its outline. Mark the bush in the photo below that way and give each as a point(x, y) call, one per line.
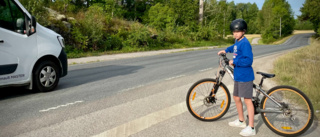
point(206, 33)
point(63, 6)
point(113, 42)
point(88, 31)
point(80, 41)
point(269, 36)
point(138, 37)
point(161, 17)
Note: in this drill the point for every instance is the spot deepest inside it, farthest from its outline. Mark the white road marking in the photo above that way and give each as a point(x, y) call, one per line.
point(205, 69)
point(131, 88)
point(144, 122)
point(175, 77)
point(65, 105)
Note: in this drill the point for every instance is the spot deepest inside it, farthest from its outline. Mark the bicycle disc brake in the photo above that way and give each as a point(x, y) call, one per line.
point(209, 101)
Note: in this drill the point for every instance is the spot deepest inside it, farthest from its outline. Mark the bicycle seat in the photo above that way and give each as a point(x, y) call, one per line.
point(266, 75)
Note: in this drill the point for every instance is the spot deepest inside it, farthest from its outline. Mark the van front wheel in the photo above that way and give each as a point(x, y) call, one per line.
point(46, 76)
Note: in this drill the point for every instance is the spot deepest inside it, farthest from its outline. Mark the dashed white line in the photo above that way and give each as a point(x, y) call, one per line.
point(65, 105)
point(175, 77)
point(131, 88)
point(205, 69)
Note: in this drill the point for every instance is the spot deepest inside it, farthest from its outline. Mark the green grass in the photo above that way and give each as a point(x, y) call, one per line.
point(300, 69)
point(187, 44)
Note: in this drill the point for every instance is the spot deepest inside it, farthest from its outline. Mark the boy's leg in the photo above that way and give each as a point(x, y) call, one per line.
point(238, 102)
point(245, 90)
point(250, 109)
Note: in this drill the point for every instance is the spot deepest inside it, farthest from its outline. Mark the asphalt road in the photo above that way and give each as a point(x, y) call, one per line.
point(142, 96)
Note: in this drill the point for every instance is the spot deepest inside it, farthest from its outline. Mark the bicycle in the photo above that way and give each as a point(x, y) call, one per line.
point(285, 110)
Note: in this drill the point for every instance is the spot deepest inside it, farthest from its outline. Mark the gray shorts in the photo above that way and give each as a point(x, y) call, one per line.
point(243, 89)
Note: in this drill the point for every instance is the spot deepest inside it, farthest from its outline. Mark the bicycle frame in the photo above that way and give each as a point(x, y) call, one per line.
point(258, 88)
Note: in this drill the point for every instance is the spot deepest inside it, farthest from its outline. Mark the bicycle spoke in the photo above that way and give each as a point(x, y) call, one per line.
point(205, 107)
point(295, 115)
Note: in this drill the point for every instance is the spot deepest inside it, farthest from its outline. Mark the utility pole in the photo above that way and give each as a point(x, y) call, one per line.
point(201, 11)
point(224, 25)
point(280, 27)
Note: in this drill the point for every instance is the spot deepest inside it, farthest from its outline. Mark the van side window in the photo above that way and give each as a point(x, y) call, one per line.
point(12, 17)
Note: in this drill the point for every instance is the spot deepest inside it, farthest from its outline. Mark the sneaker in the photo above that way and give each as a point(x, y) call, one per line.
point(248, 131)
point(237, 123)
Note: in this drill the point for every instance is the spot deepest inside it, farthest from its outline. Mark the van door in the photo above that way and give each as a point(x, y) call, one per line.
point(18, 51)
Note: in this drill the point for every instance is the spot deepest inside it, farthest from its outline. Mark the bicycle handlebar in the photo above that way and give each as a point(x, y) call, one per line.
point(224, 56)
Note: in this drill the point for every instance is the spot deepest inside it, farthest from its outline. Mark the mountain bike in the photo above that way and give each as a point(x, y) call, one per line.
point(285, 110)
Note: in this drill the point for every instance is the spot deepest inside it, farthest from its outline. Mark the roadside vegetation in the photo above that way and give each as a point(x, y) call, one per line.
point(95, 27)
point(300, 68)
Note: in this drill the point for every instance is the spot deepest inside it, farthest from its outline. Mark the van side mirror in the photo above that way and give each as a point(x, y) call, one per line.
point(34, 23)
point(31, 26)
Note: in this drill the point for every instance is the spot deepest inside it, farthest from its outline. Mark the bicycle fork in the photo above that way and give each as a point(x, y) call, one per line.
point(217, 85)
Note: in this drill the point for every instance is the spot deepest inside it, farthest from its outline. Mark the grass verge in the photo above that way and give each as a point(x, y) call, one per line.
point(300, 69)
point(218, 43)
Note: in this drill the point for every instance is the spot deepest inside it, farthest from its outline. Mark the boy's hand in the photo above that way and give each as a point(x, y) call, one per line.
point(222, 51)
point(231, 62)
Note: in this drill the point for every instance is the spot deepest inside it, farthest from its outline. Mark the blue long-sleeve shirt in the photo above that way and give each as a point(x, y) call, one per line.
point(242, 60)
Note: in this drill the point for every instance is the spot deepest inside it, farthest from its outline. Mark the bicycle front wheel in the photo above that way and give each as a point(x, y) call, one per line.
point(205, 107)
point(294, 117)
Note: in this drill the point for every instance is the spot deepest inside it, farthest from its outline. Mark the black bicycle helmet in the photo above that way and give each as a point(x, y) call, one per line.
point(238, 25)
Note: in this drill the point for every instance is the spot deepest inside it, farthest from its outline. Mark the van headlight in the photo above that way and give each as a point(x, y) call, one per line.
point(61, 41)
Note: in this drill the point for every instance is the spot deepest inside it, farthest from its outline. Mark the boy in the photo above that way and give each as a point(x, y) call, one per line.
point(243, 76)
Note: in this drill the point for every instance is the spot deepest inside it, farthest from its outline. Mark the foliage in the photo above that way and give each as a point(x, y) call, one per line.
point(303, 25)
point(217, 15)
point(35, 7)
point(269, 17)
point(310, 11)
point(161, 17)
point(186, 10)
point(133, 25)
point(248, 12)
point(138, 37)
point(90, 26)
point(80, 40)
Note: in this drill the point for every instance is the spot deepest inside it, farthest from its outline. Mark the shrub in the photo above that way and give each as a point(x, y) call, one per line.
point(113, 42)
point(138, 37)
point(161, 17)
point(89, 28)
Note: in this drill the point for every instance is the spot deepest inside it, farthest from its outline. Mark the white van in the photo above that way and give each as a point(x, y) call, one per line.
point(30, 54)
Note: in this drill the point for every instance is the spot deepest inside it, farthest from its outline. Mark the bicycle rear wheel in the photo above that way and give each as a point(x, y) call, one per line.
point(205, 107)
point(296, 116)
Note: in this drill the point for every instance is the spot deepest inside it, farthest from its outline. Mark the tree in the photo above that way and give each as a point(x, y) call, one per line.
point(310, 11)
point(248, 12)
point(272, 12)
point(162, 16)
point(217, 15)
point(252, 18)
point(187, 11)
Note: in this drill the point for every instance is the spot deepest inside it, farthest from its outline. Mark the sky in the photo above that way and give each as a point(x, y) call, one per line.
point(295, 4)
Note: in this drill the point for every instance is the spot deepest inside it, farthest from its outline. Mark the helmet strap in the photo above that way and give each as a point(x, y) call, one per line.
point(240, 38)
